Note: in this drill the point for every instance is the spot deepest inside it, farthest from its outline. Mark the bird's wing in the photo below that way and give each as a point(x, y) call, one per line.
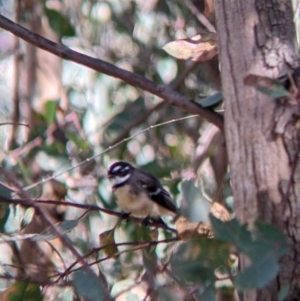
point(156, 191)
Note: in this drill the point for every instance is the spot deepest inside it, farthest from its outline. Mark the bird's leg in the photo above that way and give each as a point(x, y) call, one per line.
point(156, 220)
point(146, 221)
point(125, 216)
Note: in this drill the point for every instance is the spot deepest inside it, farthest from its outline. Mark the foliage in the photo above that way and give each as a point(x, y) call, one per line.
point(56, 202)
point(263, 245)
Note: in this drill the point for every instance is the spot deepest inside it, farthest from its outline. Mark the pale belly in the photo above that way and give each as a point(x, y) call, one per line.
point(139, 207)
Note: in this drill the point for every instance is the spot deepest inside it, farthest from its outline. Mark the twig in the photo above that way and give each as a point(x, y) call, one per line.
point(174, 85)
point(64, 239)
point(14, 123)
point(17, 75)
point(139, 245)
point(137, 121)
point(16, 153)
point(201, 18)
point(172, 97)
point(53, 177)
point(57, 252)
point(83, 206)
point(25, 279)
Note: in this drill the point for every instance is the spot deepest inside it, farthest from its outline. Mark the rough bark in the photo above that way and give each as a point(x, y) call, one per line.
point(258, 37)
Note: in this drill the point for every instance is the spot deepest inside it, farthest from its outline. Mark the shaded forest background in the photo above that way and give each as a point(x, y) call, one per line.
point(63, 124)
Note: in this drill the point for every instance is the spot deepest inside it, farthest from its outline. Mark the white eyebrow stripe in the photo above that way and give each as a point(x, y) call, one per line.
point(116, 168)
point(126, 168)
point(157, 191)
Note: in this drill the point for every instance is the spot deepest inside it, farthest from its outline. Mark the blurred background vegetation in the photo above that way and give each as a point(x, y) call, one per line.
point(61, 114)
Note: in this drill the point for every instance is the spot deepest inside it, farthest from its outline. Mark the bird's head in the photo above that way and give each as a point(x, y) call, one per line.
point(119, 172)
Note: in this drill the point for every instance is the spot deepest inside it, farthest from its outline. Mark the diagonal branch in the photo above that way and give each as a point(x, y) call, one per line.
point(167, 93)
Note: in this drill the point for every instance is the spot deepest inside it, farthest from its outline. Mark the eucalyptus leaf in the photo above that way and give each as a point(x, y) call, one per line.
point(107, 242)
point(197, 205)
point(22, 291)
point(283, 293)
point(263, 245)
point(210, 101)
point(60, 23)
point(206, 292)
point(50, 234)
point(5, 211)
point(125, 290)
point(267, 86)
point(50, 111)
point(259, 274)
point(28, 216)
point(88, 286)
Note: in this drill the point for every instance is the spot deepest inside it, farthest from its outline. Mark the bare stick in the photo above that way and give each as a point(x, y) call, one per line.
point(81, 206)
point(165, 92)
point(64, 239)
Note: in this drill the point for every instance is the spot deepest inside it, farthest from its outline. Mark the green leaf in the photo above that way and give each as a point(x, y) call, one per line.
point(5, 192)
point(88, 286)
point(29, 213)
point(226, 231)
point(271, 236)
point(166, 293)
point(267, 86)
point(264, 245)
point(283, 293)
point(124, 289)
point(50, 111)
point(107, 241)
point(157, 169)
point(4, 215)
point(259, 274)
point(198, 206)
point(125, 117)
point(59, 23)
point(210, 101)
point(142, 234)
point(49, 234)
point(22, 291)
point(206, 292)
point(197, 259)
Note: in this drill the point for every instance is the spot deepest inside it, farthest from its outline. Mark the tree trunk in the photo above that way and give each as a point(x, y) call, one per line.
point(258, 37)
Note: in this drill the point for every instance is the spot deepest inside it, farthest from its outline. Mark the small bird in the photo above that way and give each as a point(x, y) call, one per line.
point(139, 193)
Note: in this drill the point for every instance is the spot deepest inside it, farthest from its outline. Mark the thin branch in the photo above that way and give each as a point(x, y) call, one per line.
point(64, 239)
point(14, 123)
point(82, 206)
point(201, 18)
point(109, 148)
point(17, 75)
point(137, 121)
point(25, 279)
point(165, 92)
point(136, 246)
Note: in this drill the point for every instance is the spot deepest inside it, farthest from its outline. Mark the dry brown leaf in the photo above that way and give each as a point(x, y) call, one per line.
point(107, 242)
point(186, 228)
point(200, 48)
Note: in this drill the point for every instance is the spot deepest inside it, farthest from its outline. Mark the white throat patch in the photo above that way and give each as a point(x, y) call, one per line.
point(118, 180)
